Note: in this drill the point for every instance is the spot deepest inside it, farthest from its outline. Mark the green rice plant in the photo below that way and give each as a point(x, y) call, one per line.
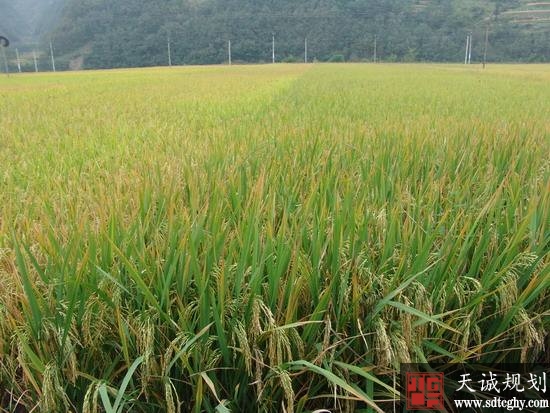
point(119, 404)
point(256, 238)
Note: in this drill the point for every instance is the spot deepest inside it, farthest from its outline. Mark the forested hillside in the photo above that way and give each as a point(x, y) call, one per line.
point(103, 33)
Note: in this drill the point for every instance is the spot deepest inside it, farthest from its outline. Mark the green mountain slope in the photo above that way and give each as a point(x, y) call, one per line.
point(102, 33)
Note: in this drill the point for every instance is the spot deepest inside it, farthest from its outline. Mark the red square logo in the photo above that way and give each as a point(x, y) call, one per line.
point(425, 391)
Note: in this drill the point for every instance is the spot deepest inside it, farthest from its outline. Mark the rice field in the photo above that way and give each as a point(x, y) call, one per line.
point(267, 238)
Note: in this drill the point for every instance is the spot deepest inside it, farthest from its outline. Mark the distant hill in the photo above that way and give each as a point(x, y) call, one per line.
point(126, 33)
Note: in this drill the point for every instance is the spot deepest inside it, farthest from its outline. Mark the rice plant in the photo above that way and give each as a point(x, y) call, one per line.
point(267, 238)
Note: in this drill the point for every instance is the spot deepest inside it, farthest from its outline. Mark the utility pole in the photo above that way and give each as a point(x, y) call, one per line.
point(273, 49)
point(53, 59)
point(7, 69)
point(470, 50)
point(229, 51)
point(18, 61)
point(169, 53)
point(4, 43)
point(467, 48)
point(486, 44)
point(305, 50)
point(35, 62)
point(374, 53)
